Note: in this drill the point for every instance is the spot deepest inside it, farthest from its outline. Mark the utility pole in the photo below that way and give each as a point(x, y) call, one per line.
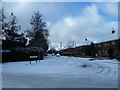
point(61, 45)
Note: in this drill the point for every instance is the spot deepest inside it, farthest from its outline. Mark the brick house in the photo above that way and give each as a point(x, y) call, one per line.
point(103, 49)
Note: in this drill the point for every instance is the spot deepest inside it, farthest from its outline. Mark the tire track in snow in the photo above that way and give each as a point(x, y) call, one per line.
point(96, 67)
point(101, 69)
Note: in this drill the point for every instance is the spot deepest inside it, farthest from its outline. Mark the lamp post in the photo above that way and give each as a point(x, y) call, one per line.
point(74, 43)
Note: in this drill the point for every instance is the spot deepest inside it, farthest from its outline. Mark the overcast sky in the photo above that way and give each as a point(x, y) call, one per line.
point(70, 21)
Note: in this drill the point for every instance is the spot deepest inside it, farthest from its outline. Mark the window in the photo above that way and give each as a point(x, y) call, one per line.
point(113, 42)
point(99, 45)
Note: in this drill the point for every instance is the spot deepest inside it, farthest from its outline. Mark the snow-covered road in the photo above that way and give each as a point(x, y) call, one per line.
point(61, 72)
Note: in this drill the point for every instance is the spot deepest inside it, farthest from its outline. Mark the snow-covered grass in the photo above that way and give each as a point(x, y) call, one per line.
point(61, 72)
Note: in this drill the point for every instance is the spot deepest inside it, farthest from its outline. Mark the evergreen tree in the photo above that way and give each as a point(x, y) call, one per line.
point(93, 49)
point(12, 28)
point(10, 33)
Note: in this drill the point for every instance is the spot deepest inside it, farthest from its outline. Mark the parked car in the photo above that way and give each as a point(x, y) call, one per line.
point(58, 55)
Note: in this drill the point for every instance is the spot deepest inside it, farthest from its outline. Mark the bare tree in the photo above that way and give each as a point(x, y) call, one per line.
point(39, 31)
point(37, 23)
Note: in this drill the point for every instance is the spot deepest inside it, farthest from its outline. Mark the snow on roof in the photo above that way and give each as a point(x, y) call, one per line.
point(85, 43)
